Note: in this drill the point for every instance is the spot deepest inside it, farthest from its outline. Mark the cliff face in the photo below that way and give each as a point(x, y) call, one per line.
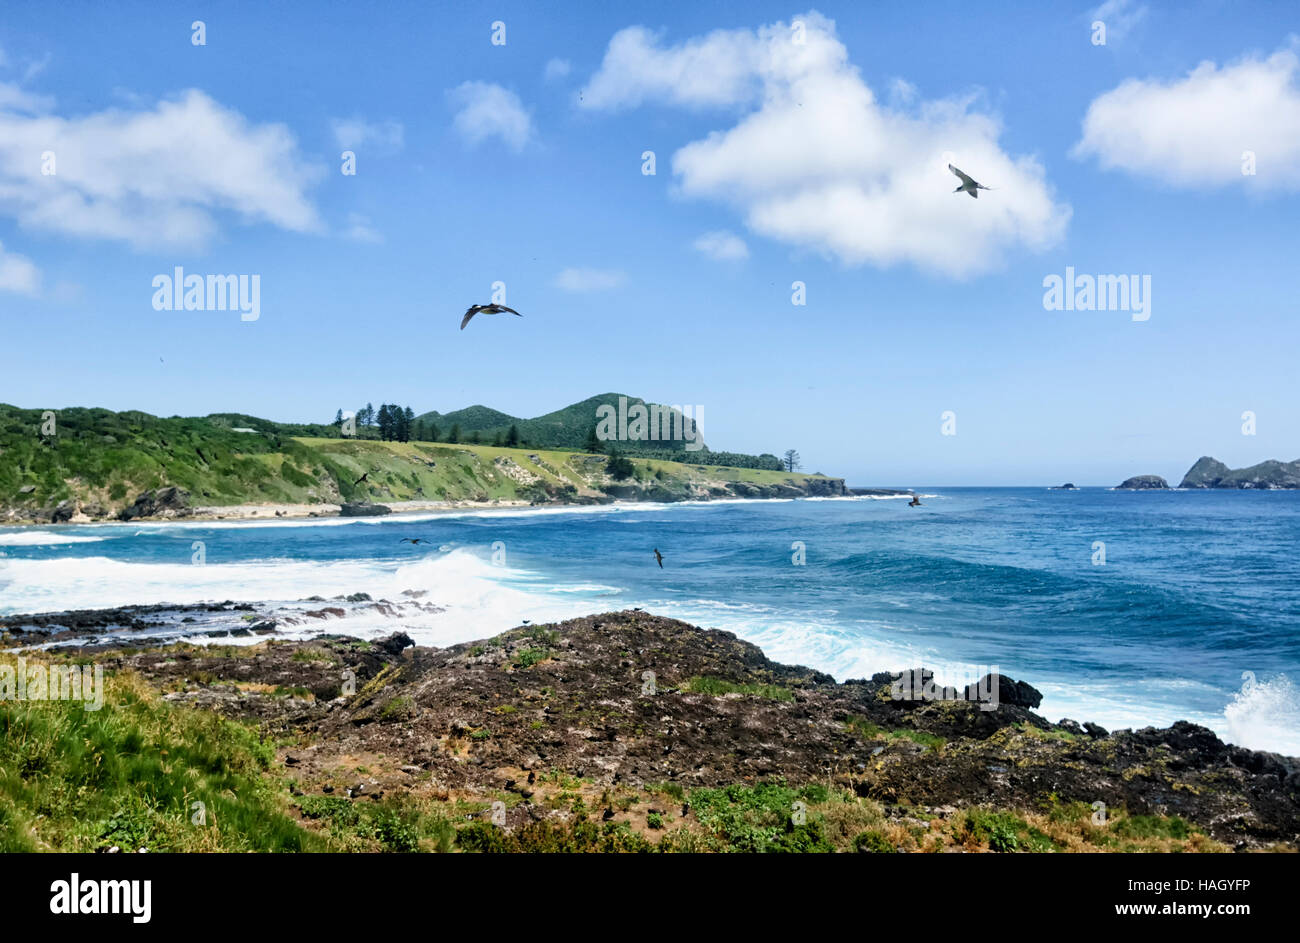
point(1211, 473)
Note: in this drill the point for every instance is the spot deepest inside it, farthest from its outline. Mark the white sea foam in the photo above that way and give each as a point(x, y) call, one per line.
point(41, 538)
point(1265, 715)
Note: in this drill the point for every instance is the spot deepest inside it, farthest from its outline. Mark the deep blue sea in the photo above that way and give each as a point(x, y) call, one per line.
point(1195, 612)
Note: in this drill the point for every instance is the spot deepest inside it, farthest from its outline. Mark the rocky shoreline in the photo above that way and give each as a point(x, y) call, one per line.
point(630, 716)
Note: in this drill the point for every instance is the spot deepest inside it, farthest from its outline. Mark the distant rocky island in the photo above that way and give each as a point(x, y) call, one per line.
point(1143, 483)
point(1270, 475)
point(1211, 473)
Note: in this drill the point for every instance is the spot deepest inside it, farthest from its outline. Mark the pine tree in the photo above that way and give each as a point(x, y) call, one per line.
point(454, 436)
point(512, 437)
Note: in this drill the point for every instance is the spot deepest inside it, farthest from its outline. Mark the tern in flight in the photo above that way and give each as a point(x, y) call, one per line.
point(486, 309)
point(414, 540)
point(968, 185)
point(660, 557)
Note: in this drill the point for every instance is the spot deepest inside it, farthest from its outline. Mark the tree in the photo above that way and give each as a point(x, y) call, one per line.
point(387, 429)
point(593, 442)
point(473, 437)
point(366, 415)
point(619, 467)
point(434, 431)
point(338, 418)
point(498, 440)
point(792, 460)
point(512, 437)
point(454, 435)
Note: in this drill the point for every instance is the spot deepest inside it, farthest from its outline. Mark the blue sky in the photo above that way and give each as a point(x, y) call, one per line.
point(826, 163)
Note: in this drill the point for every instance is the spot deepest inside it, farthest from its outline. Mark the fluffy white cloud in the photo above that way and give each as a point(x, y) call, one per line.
point(556, 69)
point(486, 110)
point(385, 137)
point(816, 161)
point(18, 274)
point(722, 246)
point(589, 279)
point(1192, 131)
point(154, 177)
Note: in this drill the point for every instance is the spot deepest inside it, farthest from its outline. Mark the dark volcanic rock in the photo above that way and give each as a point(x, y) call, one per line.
point(1267, 476)
point(1144, 483)
point(628, 698)
point(364, 509)
point(163, 502)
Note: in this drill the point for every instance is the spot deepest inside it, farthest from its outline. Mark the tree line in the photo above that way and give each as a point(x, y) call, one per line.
point(393, 423)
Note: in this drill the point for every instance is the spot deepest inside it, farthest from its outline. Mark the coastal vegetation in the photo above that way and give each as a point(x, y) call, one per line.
point(57, 466)
point(543, 739)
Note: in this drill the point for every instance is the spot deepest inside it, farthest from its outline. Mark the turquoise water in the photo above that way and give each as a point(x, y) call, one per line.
point(1194, 613)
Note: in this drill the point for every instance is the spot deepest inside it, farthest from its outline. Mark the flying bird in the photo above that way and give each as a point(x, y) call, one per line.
point(968, 185)
point(414, 540)
point(486, 309)
point(365, 477)
point(660, 557)
point(915, 502)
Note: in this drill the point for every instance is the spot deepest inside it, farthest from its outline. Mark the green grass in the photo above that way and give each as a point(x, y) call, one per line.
point(130, 774)
point(718, 687)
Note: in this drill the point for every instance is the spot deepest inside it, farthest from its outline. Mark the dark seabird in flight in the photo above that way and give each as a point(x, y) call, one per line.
point(968, 185)
point(414, 540)
point(486, 309)
point(915, 502)
point(365, 477)
point(660, 557)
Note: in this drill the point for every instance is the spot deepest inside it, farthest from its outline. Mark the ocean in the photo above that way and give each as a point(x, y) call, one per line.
point(1129, 609)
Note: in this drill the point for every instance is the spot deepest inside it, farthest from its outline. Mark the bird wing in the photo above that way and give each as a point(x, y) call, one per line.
point(473, 310)
point(974, 194)
point(965, 180)
point(511, 310)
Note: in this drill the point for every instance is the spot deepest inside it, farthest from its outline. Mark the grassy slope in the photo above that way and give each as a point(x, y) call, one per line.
point(98, 457)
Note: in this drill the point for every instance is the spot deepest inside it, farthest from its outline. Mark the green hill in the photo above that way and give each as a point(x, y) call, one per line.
point(95, 462)
point(571, 428)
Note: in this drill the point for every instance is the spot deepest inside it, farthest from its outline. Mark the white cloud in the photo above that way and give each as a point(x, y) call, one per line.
point(385, 137)
point(18, 274)
point(486, 110)
point(14, 98)
point(816, 161)
point(722, 246)
point(360, 230)
point(589, 279)
point(1192, 131)
point(1119, 17)
point(155, 177)
point(556, 69)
